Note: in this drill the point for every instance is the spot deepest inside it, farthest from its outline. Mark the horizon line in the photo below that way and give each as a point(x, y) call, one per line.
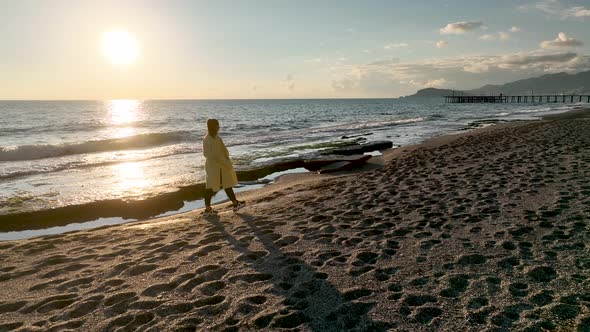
point(205, 99)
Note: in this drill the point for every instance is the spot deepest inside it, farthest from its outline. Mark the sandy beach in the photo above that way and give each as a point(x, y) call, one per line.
point(485, 230)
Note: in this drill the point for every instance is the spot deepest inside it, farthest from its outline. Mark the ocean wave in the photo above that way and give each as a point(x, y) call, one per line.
point(74, 127)
point(535, 110)
point(176, 140)
point(364, 125)
point(141, 141)
point(321, 132)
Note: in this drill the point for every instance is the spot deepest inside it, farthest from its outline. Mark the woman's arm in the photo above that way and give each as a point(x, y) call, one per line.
point(213, 153)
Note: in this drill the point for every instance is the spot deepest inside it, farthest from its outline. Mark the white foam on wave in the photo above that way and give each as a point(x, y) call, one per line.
point(336, 130)
point(365, 125)
point(535, 110)
point(41, 151)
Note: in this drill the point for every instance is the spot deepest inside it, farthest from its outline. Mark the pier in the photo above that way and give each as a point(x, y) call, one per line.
point(519, 99)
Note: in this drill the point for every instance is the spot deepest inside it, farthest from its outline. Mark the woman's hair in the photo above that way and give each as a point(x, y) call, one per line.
point(212, 126)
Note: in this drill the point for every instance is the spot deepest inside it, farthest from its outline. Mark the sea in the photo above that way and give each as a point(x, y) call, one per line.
point(59, 153)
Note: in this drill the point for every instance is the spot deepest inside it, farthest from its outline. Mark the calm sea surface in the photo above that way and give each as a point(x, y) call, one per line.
point(57, 153)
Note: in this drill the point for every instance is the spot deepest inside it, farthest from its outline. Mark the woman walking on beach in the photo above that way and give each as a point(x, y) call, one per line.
point(220, 172)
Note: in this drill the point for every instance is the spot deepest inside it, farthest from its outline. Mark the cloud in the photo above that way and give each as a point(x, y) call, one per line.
point(458, 28)
point(500, 35)
point(554, 8)
point(442, 44)
point(521, 60)
point(390, 77)
point(387, 62)
point(434, 83)
point(550, 7)
point(576, 12)
point(290, 80)
point(504, 35)
point(396, 45)
point(487, 37)
point(561, 41)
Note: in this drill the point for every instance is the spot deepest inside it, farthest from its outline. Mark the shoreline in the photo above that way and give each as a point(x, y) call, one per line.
point(120, 211)
point(475, 231)
point(168, 203)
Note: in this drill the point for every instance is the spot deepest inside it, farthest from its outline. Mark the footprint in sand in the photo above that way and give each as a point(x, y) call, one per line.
point(383, 274)
point(10, 326)
point(129, 322)
point(157, 289)
point(542, 274)
point(204, 251)
point(7, 307)
point(425, 315)
point(140, 269)
point(174, 308)
point(518, 289)
point(457, 284)
point(117, 304)
point(51, 303)
point(162, 273)
point(250, 277)
point(256, 299)
point(145, 304)
point(355, 294)
point(44, 285)
point(286, 240)
point(75, 284)
point(83, 308)
point(477, 303)
point(112, 255)
point(212, 287)
point(64, 270)
point(542, 298)
point(252, 256)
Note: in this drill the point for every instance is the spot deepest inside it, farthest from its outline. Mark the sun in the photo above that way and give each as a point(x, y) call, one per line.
point(119, 47)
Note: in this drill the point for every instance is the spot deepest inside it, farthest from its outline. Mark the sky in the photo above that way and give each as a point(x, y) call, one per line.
point(226, 49)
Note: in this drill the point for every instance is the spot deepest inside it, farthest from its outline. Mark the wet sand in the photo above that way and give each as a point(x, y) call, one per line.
point(480, 231)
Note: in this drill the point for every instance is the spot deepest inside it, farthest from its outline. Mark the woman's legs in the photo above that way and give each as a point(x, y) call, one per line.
point(237, 204)
point(208, 194)
point(230, 194)
point(228, 191)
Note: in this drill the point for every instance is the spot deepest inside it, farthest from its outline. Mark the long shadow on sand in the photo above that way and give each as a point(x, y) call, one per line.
point(309, 298)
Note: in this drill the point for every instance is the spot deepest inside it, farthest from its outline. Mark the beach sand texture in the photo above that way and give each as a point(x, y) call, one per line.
point(479, 231)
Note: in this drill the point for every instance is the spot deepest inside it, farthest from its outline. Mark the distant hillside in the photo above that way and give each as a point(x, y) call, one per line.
point(547, 84)
point(433, 92)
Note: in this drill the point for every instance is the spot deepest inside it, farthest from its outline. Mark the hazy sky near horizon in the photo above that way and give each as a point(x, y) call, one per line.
point(284, 48)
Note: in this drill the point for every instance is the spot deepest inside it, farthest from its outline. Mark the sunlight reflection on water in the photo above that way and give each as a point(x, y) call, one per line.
point(123, 111)
point(131, 177)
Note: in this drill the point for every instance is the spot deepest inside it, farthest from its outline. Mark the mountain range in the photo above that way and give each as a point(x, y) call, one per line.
point(560, 83)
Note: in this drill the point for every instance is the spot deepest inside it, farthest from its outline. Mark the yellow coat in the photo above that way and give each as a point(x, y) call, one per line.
point(220, 172)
